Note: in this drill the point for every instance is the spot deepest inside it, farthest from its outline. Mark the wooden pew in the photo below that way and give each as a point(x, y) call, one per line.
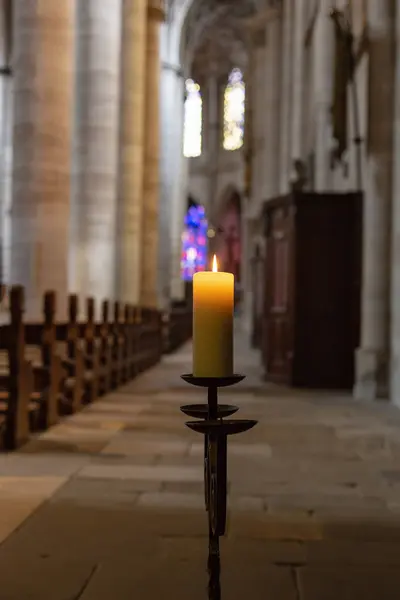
point(137, 352)
point(40, 350)
point(73, 361)
point(130, 370)
point(91, 351)
point(150, 338)
point(178, 324)
point(3, 291)
point(102, 332)
point(131, 350)
point(19, 410)
point(140, 341)
point(128, 347)
point(117, 347)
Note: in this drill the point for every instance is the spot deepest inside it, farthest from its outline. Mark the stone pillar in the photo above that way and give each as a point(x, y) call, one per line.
point(395, 262)
point(43, 83)
point(255, 137)
point(262, 122)
point(132, 132)
point(273, 83)
point(372, 356)
point(168, 170)
point(6, 130)
point(172, 204)
point(6, 177)
point(213, 112)
point(323, 60)
point(94, 198)
point(150, 216)
point(285, 97)
point(179, 199)
point(298, 79)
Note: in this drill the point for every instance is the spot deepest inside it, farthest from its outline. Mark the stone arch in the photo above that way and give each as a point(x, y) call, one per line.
point(228, 239)
point(229, 197)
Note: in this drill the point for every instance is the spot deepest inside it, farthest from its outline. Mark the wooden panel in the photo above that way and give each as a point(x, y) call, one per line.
point(278, 326)
point(328, 290)
point(257, 286)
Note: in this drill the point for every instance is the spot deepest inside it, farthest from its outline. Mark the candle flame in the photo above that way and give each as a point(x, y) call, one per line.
point(215, 265)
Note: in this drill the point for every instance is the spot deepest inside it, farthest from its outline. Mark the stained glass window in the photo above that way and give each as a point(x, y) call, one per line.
point(194, 243)
point(234, 111)
point(193, 120)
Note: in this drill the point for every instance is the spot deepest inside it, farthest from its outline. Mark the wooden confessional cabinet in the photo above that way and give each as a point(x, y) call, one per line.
point(311, 316)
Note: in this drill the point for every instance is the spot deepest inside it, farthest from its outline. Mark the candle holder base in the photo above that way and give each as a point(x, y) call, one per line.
point(200, 411)
point(213, 382)
point(215, 427)
point(221, 428)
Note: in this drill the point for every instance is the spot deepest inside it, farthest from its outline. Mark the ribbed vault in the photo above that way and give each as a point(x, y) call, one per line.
point(215, 35)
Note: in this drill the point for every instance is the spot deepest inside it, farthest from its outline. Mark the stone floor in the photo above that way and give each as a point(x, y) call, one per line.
point(108, 505)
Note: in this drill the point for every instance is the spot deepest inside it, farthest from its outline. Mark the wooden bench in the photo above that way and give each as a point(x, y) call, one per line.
point(19, 405)
point(50, 368)
point(104, 344)
point(40, 350)
point(130, 346)
point(118, 341)
point(91, 350)
point(178, 326)
point(149, 342)
point(68, 346)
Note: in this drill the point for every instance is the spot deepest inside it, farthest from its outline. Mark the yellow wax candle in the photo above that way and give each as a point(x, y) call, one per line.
point(213, 323)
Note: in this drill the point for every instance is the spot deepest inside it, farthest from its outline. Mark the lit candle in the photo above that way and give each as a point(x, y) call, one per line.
point(213, 323)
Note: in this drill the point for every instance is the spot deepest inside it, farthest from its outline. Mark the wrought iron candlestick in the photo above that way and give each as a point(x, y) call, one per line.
point(215, 426)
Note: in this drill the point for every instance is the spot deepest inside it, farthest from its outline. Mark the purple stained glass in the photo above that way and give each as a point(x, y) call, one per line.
point(194, 243)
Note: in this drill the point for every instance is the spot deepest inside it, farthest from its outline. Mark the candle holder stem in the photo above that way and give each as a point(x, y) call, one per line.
point(215, 430)
point(214, 567)
point(212, 397)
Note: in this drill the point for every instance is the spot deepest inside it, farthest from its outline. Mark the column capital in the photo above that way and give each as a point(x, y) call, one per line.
point(167, 66)
point(156, 10)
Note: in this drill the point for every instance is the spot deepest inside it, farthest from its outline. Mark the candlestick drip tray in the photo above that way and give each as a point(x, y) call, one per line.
point(213, 382)
point(221, 428)
point(200, 411)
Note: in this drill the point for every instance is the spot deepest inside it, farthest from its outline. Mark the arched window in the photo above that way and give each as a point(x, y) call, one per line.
point(234, 111)
point(193, 120)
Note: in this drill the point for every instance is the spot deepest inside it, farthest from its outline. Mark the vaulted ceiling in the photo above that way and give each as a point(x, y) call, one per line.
point(216, 34)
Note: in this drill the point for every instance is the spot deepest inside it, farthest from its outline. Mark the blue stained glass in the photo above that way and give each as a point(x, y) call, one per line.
point(194, 243)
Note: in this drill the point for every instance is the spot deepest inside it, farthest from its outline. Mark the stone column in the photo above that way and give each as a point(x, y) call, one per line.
point(323, 61)
point(6, 177)
point(372, 356)
point(273, 82)
point(43, 83)
point(213, 99)
point(133, 78)
point(263, 123)
point(179, 199)
point(150, 216)
point(298, 79)
point(94, 198)
point(285, 97)
point(6, 130)
point(395, 262)
point(255, 137)
point(170, 209)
